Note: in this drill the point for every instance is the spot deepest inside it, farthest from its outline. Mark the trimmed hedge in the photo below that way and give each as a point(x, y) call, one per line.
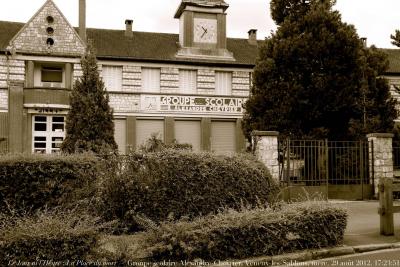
point(47, 236)
point(31, 182)
point(249, 233)
point(170, 184)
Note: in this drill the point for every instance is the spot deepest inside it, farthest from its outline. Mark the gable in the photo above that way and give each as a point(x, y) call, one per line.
point(36, 36)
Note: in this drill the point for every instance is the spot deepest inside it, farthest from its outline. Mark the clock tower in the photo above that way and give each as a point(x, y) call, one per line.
point(202, 33)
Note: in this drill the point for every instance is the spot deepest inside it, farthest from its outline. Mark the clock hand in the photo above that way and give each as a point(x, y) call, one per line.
point(205, 31)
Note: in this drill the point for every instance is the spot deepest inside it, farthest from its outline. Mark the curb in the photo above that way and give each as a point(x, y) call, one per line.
point(306, 255)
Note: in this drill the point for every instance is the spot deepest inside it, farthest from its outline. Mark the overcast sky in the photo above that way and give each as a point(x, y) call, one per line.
point(374, 19)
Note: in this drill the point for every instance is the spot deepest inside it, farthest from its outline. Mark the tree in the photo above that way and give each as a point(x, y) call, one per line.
point(89, 123)
point(315, 79)
point(396, 38)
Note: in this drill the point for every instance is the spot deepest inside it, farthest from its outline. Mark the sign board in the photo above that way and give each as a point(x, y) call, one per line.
point(192, 104)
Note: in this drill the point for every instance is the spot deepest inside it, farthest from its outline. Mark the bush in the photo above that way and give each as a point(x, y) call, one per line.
point(30, 182)
point(169, 185)
point(155, 144)
point(249, 233)
point(47, 235)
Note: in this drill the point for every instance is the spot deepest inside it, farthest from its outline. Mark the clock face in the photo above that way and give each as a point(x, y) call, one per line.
point(205, 30)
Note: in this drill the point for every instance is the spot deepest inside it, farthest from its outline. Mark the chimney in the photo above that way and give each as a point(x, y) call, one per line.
point(82, 19)
point(128, 28)
point(252, 37)
point(364, 41)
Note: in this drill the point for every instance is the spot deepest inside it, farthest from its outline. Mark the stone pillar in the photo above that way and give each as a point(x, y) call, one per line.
point(265, 146)
point(381, 164)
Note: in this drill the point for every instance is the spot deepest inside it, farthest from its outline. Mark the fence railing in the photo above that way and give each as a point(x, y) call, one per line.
point(322, 162)
point(396, 155)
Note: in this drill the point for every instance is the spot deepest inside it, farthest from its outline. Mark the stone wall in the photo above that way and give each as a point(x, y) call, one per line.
point(33, 37)
point(206, 81)
point(131, 78)
point(241, 83)
point(266, 150)
point(382, 161)
point(169, 83)
point(121, 102)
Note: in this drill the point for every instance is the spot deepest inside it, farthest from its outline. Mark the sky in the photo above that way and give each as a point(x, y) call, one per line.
point(373, 19)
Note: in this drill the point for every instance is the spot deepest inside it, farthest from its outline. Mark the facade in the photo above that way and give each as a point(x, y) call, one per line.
point(188, 87)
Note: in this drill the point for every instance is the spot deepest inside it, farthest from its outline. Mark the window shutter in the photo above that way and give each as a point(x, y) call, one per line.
point(151, 80)
point(188, 81)
point(112, 77)
point(223, 83)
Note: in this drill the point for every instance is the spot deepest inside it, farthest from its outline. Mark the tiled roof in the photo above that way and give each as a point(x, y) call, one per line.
point(143, 46)
point(161, 47)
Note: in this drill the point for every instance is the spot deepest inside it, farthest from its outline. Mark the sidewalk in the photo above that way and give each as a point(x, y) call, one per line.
point(363, 223)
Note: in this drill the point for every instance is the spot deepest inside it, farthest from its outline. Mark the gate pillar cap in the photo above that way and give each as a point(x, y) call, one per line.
point(264, 133)
point(380, 135)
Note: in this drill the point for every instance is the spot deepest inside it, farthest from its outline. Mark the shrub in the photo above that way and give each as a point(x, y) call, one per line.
point(30, 182)
point(56, 236)
point(249, 233)
point(155, 144)
point(174, 184)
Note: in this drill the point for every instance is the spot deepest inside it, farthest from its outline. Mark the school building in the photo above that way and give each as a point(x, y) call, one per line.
point(188, 87)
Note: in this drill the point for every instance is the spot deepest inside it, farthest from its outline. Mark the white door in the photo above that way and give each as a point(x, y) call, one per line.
point(188, 132)
point(48, 133)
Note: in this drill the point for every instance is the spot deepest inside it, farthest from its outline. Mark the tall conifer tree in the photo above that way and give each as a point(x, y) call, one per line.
point(89, 124)
point(314, 78)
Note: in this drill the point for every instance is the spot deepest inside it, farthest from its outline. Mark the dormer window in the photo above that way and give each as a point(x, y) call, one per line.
point(52, 74)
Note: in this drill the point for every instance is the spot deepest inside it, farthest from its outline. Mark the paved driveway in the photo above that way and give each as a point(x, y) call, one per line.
point(363, 223)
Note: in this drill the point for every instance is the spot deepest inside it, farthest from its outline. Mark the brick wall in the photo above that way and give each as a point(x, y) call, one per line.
point(33, 37)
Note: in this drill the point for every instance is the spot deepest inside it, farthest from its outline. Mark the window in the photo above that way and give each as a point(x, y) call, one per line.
point(48, 133)
point(151, 80)
point(52, 74)
point(223, 83)
point(112, 77)
point(188, 81)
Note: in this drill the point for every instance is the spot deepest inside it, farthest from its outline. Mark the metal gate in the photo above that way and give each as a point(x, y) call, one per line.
point(329, 169)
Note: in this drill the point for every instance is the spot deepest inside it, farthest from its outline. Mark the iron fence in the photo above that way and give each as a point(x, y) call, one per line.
point(396, 155)
point(323, 162)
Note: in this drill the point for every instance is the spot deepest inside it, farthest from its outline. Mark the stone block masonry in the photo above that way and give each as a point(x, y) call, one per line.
point(33, 37)
point(241, 83)
point(131, 78)
point(206, 81)
point(266, 150)
point(382, 160)
point(14, 69)
point(169, 82)
point(121, 102)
